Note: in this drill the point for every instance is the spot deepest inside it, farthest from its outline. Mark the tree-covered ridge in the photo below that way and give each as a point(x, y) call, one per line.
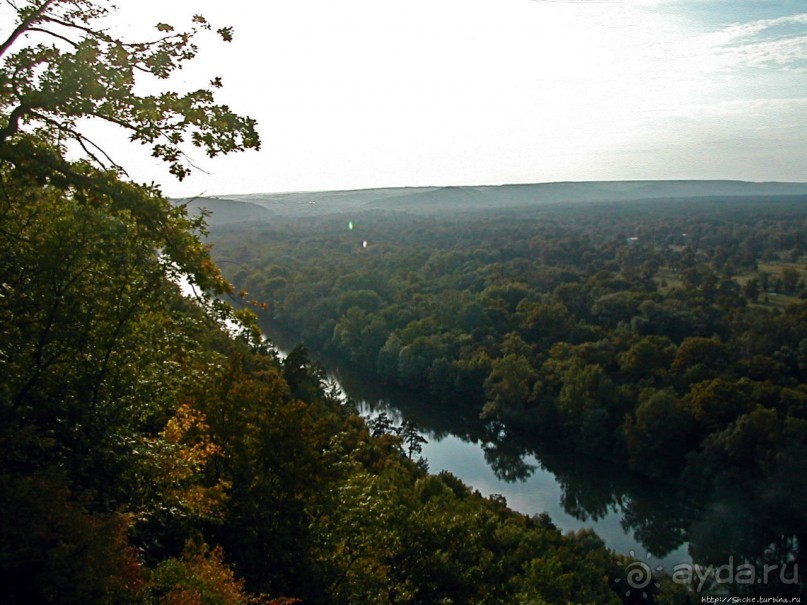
point(671, 336)
point(151, 456)
point(460, 199)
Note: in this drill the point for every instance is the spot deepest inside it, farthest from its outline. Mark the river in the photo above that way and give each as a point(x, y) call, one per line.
point(656, 522)
point(631, 514)
point(653, 521)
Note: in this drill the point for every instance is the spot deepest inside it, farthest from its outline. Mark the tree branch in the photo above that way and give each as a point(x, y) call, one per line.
point(13, 122)
point(104, 37)
point(83, 141)
point(54, 34)
point(113, 120)
point(97, 34)
point(25, 25)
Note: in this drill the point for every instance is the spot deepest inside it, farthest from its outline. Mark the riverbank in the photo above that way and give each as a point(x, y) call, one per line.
point(575, 490)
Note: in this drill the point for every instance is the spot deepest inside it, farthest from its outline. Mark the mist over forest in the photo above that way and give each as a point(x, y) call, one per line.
point(470, 198)
point(665, 333)
point(629, 338)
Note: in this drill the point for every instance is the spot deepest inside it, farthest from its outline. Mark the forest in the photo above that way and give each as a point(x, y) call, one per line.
point(669, 336)
point(154, 448)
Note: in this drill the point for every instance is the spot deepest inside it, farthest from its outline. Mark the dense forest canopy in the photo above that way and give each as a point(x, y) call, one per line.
point(149, 455)
point(669, 335)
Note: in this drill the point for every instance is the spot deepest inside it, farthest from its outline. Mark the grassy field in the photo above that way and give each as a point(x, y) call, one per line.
point(667, 280)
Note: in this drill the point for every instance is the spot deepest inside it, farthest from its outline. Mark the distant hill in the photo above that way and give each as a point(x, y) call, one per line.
point(504, 196)
point(263, 206)
point(318, 202)
point(224, 211)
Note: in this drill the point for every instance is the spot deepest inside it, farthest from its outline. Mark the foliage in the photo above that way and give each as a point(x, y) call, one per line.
point(151, 456)
point(198, 577)
point(557, 324)
point(60, 65)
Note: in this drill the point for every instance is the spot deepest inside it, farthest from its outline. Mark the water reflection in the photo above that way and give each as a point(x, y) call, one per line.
point(508, 461)
point(631, 514)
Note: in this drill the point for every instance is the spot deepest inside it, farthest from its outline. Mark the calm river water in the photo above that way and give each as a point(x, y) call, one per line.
point(655, 522)
point(632, 515)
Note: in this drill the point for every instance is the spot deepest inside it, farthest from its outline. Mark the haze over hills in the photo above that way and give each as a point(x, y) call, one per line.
point(262, 206)
point(593, 191)
point(224, 210)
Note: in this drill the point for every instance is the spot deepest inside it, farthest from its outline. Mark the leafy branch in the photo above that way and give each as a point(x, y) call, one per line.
point(86, 72)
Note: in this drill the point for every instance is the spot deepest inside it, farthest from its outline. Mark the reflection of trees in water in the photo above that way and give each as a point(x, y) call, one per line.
point(659, 524)
point(733, 531)
point(504, 455)
point(507, 467)
point(584, 503)
point(728, 529)
point(661, 517)
point(590, 488)
point(725, 526)
point(657, 514)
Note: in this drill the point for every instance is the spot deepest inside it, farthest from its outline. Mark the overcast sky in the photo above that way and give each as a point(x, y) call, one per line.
point(372, 93)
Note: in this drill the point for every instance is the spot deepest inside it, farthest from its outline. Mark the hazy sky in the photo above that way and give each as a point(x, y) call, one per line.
point(369, 93)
